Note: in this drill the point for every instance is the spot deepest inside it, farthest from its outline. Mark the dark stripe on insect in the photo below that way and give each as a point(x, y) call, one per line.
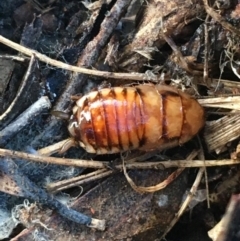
point(125, 94)
point(185, 124)
point(113, 95)
point(164, 117)
point(135, 114)
point(109, 146)
point(85, 103)
point(183, 117)
point(77, 130)
point(170, 93)
point(99, 139)
point(95, 146)
point(161, 110)
point(90, 133)
point(143, 138)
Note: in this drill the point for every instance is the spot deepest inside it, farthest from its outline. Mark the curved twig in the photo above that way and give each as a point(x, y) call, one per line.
point(59, 64)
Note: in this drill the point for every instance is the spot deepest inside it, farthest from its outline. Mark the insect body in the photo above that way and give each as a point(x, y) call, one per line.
point(147, 117)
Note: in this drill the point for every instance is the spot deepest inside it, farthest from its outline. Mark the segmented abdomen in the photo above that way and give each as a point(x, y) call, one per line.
point(145, 116)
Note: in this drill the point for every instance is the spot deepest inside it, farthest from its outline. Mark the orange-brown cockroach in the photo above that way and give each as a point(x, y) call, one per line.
point(148, 117)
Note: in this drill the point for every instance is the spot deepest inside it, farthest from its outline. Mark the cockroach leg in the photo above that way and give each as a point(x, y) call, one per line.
point(60, 114)
point(70, 142)
point(75, 97)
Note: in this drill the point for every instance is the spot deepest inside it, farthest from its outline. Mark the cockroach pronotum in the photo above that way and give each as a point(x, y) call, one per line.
point(145, 116)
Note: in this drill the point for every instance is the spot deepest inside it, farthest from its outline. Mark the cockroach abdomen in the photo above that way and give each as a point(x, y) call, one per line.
point(117, 119)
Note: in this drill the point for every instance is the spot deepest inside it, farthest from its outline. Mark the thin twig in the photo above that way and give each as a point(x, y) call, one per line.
point(59, 64)
point(28, 115)
point(100, 164)
point(53, 160)
point(77, 181)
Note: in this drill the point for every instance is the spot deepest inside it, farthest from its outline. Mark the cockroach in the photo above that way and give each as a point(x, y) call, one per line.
point(146, 117)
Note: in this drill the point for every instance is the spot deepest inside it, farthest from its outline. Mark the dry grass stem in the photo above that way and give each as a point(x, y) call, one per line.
point(160, 185)
point(156, 187)
point(220, 132)
point(228, 102)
